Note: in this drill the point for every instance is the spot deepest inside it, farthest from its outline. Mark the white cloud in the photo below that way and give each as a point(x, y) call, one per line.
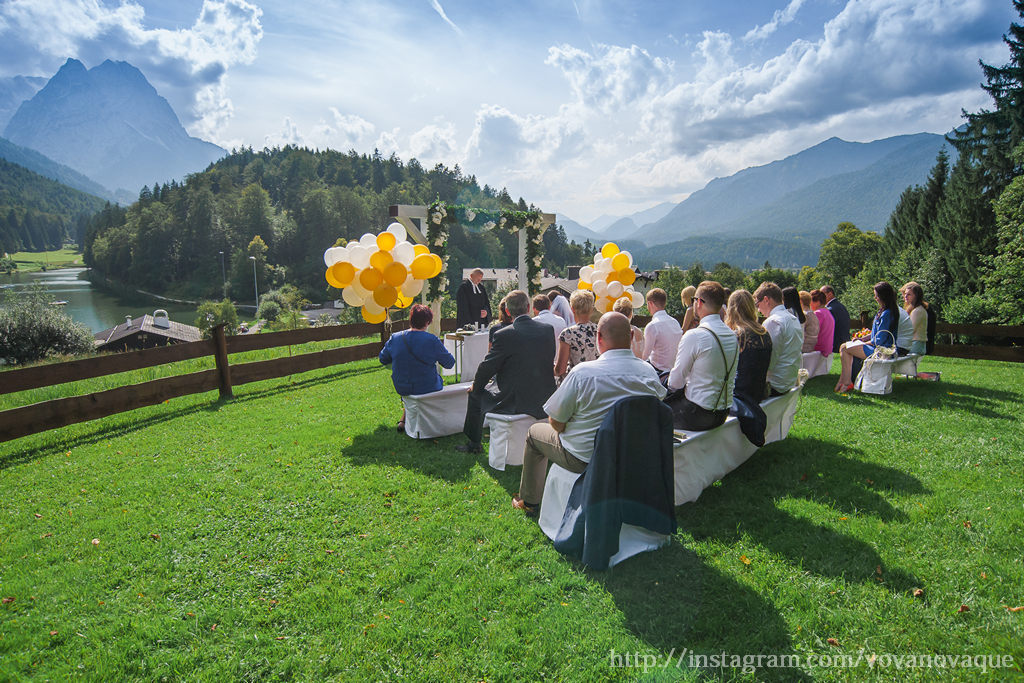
point(779, 18)
point(504, 142)
point(433, 143)
point(187, 66)
point(613, 77)
point(440, 11)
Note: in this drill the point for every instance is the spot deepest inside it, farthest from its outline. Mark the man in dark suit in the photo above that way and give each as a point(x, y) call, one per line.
point(841, 334)
point(521, 360)
point(472, 303)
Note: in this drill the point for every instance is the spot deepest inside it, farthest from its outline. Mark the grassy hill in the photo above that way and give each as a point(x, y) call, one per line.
point(292, 534)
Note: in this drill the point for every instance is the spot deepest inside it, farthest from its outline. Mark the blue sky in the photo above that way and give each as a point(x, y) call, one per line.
point(583, 107)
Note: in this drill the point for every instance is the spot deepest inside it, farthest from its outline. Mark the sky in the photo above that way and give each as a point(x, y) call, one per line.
point(582, 107)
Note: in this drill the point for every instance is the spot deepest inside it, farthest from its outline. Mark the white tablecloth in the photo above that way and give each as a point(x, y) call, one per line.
point(474, 348)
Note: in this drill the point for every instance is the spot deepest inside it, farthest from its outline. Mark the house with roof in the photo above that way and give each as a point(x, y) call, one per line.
point(145, 332)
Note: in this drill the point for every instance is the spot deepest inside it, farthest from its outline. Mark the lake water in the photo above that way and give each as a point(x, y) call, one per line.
point(96, 309)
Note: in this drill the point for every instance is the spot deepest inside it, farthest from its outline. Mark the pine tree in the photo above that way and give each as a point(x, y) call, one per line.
point(965, 227)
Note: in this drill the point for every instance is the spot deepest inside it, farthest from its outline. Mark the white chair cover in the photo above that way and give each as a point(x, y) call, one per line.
point(441, 413)
point(816, 364)
point(508, 438)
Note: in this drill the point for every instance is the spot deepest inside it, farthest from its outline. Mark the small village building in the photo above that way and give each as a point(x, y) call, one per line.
point(145, 332)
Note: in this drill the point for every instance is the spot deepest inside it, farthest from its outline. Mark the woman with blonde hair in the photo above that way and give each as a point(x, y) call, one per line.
point(689, 319)
point(625, 307)
point(578, 343)
point(755, 346)
point(812, 326)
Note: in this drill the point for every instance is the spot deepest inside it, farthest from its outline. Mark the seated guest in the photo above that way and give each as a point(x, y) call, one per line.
point(883, 333)
point(826, 323)
point(625, 307)
point(689, 319)
point(520, 362)
point(904, 332)
point(913, 297)
point(787, 338)
point(755, 347)
point(812, 326)
point(504, 320)
point(560, 306)
point(661, 336)
point(580, 404)
point(578, 342)
point(413, 355)
point(702, 377)
point(840, 315)
point(542, 314)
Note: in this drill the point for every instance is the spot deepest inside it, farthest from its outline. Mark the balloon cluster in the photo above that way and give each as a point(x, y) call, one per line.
point(611, 278)
point(380, 271)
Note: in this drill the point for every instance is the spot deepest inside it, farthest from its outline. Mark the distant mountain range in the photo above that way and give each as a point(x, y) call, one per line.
point(48, 168)
point(109, 124)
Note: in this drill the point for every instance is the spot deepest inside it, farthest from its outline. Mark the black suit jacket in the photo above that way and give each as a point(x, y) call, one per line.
point(521, 360)
point(468, 305)
point(842, 329)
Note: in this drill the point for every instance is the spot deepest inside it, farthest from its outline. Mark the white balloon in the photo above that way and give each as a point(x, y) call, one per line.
point(597, 258)
point(372, 307)
point(359, 255)
point(361, 291)
point(368, 240)
point(351, 297)
point(587, 274)
point(638, 299)
point(398, 230)
point(329, 257)
point(604, 266)
point(600, 287)
point(615, 289)
point(412, 287)
point(404, 253)
point(602, 305)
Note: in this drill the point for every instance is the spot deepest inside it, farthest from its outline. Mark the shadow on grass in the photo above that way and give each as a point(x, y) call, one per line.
point(979, 401)
point(745, 504)
point(435, 458)
point(681, 606)
point(121, 424)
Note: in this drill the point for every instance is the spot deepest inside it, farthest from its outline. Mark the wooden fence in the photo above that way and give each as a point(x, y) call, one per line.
point(38, 417)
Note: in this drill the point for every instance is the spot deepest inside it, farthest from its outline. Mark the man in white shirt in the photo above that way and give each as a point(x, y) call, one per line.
point(542, 314)
point(580, 404)
point(661, 336)
point(787, 338)
point(704, 371)
point(560, 307)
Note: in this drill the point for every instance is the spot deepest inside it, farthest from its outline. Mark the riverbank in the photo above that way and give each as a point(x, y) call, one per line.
point(35, 261)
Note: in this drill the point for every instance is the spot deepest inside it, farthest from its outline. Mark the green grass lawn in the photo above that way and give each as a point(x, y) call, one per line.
point(31, 261)
point(292, 534)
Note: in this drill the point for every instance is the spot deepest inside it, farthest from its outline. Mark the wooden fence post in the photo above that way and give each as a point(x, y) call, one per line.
point(220, 353)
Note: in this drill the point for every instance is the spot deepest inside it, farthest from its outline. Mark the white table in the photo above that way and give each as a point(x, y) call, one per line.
point(469, 349)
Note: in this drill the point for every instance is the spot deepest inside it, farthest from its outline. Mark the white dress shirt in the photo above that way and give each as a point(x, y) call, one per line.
point(549, 318)
point(905, 331)
point(787, 340)
point(661, 340)
point(560, 307)
point(700, 367)
point(589, 391)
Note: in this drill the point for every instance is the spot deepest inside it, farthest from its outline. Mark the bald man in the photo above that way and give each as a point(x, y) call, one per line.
point(580, 404)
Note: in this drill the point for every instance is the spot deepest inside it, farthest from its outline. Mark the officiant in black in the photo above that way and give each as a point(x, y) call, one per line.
point(473, 305)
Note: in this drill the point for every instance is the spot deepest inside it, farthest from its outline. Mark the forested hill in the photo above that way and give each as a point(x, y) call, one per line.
point(297, 202)
point(38, 213)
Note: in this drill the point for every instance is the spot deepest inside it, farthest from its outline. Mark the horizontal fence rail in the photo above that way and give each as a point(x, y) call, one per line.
point(60, 412)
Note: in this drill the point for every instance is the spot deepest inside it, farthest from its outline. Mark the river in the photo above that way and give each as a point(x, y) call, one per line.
point(97, 310)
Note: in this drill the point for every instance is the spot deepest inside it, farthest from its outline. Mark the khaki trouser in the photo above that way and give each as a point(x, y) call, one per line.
point(543, 445)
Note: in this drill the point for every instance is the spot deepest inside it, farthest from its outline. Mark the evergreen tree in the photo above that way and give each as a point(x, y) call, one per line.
point(965, 227)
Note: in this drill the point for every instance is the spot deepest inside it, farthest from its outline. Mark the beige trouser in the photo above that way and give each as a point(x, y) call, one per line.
point(542, 445)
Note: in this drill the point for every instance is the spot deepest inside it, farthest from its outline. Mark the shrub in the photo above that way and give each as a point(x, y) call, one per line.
point(971, 309)
point(269, 310)
point(31, 329)
point(213, 313)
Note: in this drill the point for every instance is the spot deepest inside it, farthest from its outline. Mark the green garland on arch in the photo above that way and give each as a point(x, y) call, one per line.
point(441, 216)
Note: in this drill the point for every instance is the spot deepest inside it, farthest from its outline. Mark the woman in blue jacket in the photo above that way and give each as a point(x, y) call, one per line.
point(413, 356)
point(883, 333)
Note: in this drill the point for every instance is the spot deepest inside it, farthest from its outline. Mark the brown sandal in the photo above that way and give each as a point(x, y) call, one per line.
point(520, 504)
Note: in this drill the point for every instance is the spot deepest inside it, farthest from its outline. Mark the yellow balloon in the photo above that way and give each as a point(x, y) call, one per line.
point(372, 318)
point(611, 277)
point(343, 272)
point(626, 276)
point(331, 280)
point(620, 261)
point(420, 249)
point(583, 285)
point(438, 264)
point(370, 279)
point(609, 249)
point(422, 266)
point(386, 241)
point(385, 295)
point(380, 259)
point(404, 301)
point(395, 274)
